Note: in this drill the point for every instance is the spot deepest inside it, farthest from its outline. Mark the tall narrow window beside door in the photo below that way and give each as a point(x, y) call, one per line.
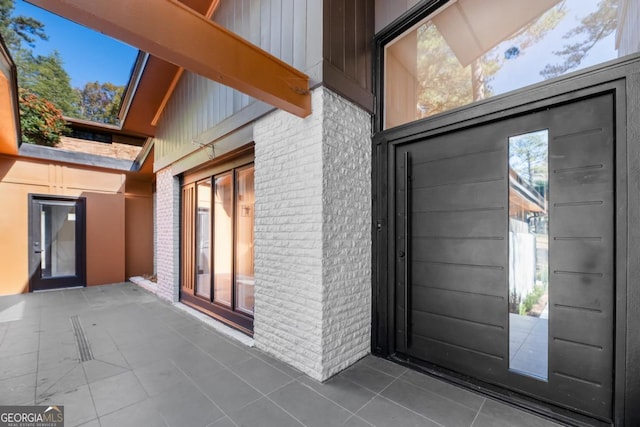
point(219, 279)
point(529, 254)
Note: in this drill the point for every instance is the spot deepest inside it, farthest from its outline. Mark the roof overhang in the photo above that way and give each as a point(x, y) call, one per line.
point(9, 111)
point(194, 43)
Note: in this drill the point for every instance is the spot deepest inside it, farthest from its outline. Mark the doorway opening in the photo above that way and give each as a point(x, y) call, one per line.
point(57, 256)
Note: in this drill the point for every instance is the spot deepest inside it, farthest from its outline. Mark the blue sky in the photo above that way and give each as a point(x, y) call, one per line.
point(526, 69)
point(88, 55)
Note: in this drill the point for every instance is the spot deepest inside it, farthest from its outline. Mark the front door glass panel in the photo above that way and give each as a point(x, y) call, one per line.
point(57, 239)
point(529, 254)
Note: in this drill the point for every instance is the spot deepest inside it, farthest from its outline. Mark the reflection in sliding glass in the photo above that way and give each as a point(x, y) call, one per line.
point(529, 254)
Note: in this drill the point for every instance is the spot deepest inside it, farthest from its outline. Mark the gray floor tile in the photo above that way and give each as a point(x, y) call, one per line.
point(449, 391)
point(113, 393)
point(195, 362)
point(55, 339)
point(371, 379)
point(184, 405)
point(64, 355)
point(169, 343)
point(223, 422)
point(164, 338)
point(139, 414)
point(382, 413)
point(105, 366)
point(260, 375)
point(141, 354)
point(78, 405)
point(227, 390)
point(159, 376)
point(430, 405)
point(281, 366)
point(16, 366)
point(224, 351)
point(342, 391)
point(308, 406)
point(356, 421)
point(263, 413)
point(383, 365)
point(16, 345)
point(92, 423)
point(60, 380)
point(18, 390)
point(100, 341)
point(496, 414)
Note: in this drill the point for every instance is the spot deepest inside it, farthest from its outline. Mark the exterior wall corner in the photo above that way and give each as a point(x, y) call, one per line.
point(312, 235)
point(167, 216)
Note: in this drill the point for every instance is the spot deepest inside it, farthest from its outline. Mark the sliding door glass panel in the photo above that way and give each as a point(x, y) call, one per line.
point(529, 254)
point(203, 239)
point(223, 238)
point(244, 240)
point(58, 239)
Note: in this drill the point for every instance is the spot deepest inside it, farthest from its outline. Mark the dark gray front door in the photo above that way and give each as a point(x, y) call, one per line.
point(508, 273)
point(56, 242)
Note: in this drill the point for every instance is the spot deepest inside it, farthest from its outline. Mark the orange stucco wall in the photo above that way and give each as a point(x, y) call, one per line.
point(106, 240)
point(138, 210)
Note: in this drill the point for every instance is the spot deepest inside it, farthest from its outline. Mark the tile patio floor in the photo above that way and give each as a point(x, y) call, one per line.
point(155, 365)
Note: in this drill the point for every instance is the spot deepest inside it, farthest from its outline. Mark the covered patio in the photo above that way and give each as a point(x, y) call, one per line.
point(116, 355)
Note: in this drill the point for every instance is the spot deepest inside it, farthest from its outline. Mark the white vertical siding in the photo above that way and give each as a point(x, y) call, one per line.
point(628, 33)
point(198, 104)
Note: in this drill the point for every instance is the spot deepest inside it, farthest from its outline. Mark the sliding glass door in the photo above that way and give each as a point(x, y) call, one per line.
point(218, 228)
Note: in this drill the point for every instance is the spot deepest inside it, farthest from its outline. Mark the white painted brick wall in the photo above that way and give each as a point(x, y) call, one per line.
point(312, 236)
point(288, 237)
point(167, 215)
point(346, 215)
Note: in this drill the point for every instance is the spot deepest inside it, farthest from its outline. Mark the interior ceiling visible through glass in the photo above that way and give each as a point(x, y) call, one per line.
point(472, 50)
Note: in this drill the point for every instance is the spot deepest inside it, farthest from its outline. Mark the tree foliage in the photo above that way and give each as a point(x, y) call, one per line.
point(42, 122)
point(46, 77)
point(18, 29)
point(444, 84)
point(528, 156)
point(100, 102)
point(46, 94)
point(593, 28)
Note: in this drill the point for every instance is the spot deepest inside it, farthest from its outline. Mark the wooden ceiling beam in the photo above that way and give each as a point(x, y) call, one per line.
point(172, 31)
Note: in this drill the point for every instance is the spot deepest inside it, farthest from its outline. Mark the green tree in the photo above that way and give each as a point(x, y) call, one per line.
point(100, 102)
point(593, 28)
point(444, 84)
point(528, 155)
point(18, 29)
point(46, 77)
point(42, 123)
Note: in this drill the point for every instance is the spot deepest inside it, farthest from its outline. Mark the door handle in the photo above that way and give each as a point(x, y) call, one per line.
point(406, 254)
point(37, 251)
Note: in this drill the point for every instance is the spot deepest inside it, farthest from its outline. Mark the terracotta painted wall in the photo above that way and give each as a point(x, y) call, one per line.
point(138, 208)
point(105, 223)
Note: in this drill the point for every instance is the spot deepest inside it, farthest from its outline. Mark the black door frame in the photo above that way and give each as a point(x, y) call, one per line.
point(35, 273)
point(620, 77)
